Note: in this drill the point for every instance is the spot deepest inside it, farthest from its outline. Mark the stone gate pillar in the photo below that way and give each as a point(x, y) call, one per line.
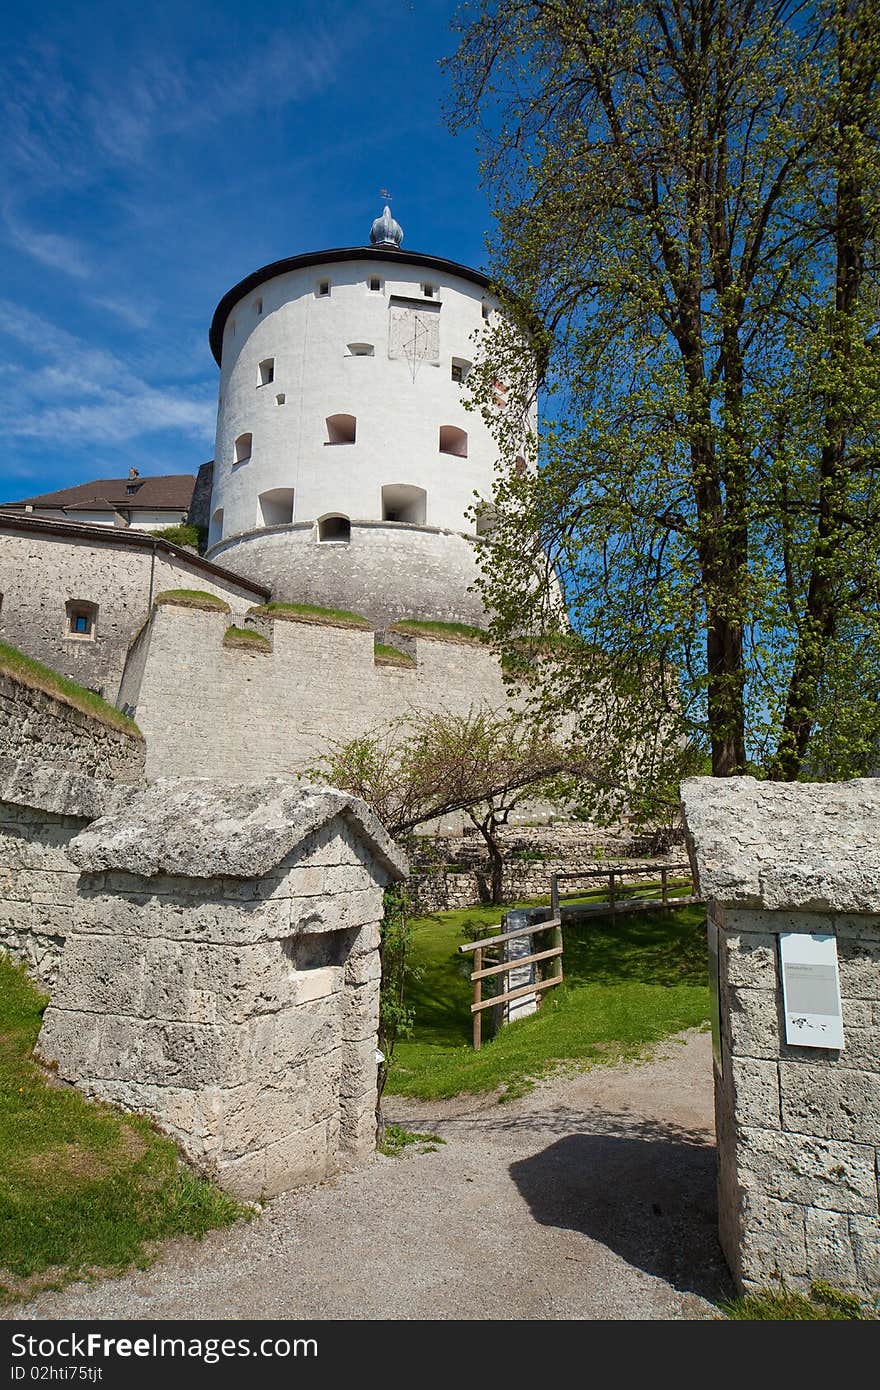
point(791, 875)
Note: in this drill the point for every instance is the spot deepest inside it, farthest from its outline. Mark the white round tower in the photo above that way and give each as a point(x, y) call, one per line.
point(345, 461)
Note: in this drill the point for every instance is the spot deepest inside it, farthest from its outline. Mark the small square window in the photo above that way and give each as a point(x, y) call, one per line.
point(81, 622)
point(457, 372)
point(375, 284)
point(131, 488)
point(258, 306)
point(486, 312)
point(429, 291)
point(323, 288)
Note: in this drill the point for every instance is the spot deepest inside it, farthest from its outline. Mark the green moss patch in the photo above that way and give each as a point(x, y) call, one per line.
point(310, 613)
point(193, 598)
point(246, 639)
point(823, 1304)
point(441, 632)
point(390, 656)
point(39, 677)
point(84, 1189)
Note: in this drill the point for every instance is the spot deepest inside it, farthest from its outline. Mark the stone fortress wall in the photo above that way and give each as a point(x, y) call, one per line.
point(278, 708)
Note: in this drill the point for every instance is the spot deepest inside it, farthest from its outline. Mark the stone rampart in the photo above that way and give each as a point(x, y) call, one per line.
point(251, 714)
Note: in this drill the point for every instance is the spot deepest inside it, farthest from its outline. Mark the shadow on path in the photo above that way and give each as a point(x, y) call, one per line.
point(648, 1194)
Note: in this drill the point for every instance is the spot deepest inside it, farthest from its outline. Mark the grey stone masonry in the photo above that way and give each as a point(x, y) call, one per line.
point(34, 724)
point(43, 808)
point(798, 1128)
point(222, 974)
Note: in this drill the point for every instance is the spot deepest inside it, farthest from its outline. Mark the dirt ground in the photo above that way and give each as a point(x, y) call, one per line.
point(592, 1197)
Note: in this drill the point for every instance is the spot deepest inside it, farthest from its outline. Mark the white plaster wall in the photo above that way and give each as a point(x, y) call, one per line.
point(398, 414)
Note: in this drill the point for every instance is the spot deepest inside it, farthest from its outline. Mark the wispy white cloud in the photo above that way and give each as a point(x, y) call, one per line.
point(51, 248)
point(65, 391)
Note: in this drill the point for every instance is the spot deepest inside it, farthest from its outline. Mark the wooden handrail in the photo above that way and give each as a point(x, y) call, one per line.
point(516, 993)
point(508, 965)
point(509, 935)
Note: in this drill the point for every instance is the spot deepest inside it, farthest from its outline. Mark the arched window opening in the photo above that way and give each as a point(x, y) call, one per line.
point(403, 502)
point(258, 306)
point(453, 441)
point(275, 507)
point(486, 519)
point(361, 350)
point(82, 617)
point(215, 530)
point(244, 446)
point(334, 528)
point(460, 368)
point(375, 283)
point(266, 371)
point(341, 429)
point(500, 391)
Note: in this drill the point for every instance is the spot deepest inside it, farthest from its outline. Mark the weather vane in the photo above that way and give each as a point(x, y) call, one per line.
point(383, 193)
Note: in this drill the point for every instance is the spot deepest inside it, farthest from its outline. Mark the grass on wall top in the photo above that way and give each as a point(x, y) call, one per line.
point(247, 639)
point(390, 656)
point(193, 598)
point(442, 632)
point(84, 1189)
point(310, 613)
point(39, 677)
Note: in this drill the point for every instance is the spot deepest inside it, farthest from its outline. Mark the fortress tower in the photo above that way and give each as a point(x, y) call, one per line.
point(345, 460)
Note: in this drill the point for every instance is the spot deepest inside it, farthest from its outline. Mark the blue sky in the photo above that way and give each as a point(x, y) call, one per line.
point(154, 155)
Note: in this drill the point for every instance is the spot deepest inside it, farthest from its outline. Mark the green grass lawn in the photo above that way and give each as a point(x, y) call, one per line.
point(629, 982)
point(82, 1187)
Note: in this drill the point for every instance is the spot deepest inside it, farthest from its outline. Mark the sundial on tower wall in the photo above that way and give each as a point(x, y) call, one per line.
point(413, 332)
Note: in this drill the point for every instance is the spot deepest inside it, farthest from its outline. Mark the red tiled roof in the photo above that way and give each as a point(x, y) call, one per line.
point(171, 492)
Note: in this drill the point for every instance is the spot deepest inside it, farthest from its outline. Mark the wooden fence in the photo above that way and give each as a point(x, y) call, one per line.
point(616, 874)
point(504, 967)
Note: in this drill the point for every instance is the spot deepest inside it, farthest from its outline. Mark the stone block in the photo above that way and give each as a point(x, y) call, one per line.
point(859, 926)
point(864, 1235)
point(254, 1116)
point(830, 1253)
point(361, 1016)
point(101, 974)
point(751, 959)
point(772, 1243)
point(363, 969)
point(244, 1177)
point(359, 1068)
point(336, 914)
point(823, 1173)
point(861, 1051)
point(833, 1102)
point(859, 966)
point(309, 985)
point(755, 1092)
point(304, 1157)
point(753, 1023)
point(357, 1127)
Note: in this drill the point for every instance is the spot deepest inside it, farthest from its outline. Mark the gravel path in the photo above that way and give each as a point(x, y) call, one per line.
point(590, 1197)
